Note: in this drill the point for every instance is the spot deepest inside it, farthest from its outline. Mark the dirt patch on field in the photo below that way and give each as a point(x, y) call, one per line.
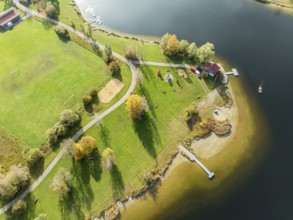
point(110, 90)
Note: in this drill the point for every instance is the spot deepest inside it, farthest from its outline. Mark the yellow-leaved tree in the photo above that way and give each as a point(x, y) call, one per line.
point(134, 106)
point(173, 46)
point(84, 147)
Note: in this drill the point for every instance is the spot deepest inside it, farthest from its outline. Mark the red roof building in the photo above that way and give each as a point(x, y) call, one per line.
point(8, 18)
point(212, 68)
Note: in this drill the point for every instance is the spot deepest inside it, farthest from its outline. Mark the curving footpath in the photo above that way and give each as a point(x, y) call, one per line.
point(87, 126)
point(97, 118)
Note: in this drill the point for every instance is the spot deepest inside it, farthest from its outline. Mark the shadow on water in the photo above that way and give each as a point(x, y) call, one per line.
point(117, 182)
point(154, 190)
point(147, 132)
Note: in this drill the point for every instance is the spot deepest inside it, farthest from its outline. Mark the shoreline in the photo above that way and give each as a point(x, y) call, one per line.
point(176, 159)
point(238, 151)
point(275, 5)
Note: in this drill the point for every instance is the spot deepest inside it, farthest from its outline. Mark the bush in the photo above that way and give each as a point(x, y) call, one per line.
point(87, 100)
point(52, 136)
point(62, 32)
point(19, 207)
point(88, 144)
point(41, 217)
point(114, 67)
point(131, 53)
point(16, 179)
point(190, 113)
point(51, 11)
point(69, 118)
point(62, 182)
point(35, 155)
point(56, 132)
point(93, 92)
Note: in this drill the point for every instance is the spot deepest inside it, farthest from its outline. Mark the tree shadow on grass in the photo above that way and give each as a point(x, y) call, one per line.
point(38, 168)
point(147, 132)
point(84, 194)
point(89, 166)
point(146, 94)
point(118, 75)
point(117, 183)
point(105, 135)
point(147, 72)
point(31, 202)
point(71, 205)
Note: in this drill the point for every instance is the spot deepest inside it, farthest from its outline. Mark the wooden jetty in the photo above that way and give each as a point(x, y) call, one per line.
point(193, 158)
point(233, 72)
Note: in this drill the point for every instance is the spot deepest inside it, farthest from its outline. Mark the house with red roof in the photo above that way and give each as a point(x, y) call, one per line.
point(9, 18)
point(212, 68)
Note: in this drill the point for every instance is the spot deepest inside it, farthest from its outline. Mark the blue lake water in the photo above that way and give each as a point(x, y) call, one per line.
point(258, 41)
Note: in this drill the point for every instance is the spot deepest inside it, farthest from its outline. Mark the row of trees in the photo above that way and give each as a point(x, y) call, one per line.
point(67, 120)
point(172, 47)
point(90, 97)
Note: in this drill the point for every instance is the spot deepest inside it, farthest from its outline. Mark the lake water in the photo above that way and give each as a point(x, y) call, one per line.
point(259, 42)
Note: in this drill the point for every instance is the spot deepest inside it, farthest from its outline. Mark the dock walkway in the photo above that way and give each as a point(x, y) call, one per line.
point(233, 72)
point(193, 158)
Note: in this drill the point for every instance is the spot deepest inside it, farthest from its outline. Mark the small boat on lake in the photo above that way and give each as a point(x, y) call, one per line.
point(260, 90)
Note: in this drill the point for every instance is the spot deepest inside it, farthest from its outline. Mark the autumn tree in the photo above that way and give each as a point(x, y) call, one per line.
point(108, 158)
point(206, 52)
point(62, 182)
point(172, 46)
point(93, 92)
point(88, 144)
point(134, 106)
point(84, 147)
point(78, 152)
point(87, 100)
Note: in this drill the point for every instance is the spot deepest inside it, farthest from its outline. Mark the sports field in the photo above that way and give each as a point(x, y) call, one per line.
point(41, 75)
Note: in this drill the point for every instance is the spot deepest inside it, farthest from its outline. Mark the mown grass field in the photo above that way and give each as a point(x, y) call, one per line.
point(39, 74)
point(137, 147)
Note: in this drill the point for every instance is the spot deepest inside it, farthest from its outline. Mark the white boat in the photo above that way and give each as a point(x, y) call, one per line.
point(260, 89)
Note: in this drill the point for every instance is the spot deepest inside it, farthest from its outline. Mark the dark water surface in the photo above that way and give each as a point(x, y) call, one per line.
point(259, 42)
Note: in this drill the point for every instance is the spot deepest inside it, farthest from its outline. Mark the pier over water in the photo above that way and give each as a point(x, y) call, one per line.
point(193, 158)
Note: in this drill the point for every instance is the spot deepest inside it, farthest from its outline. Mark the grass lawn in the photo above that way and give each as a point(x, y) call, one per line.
point(39, 73)
point(10, 149)
point(137, 147)
point(4, 4)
